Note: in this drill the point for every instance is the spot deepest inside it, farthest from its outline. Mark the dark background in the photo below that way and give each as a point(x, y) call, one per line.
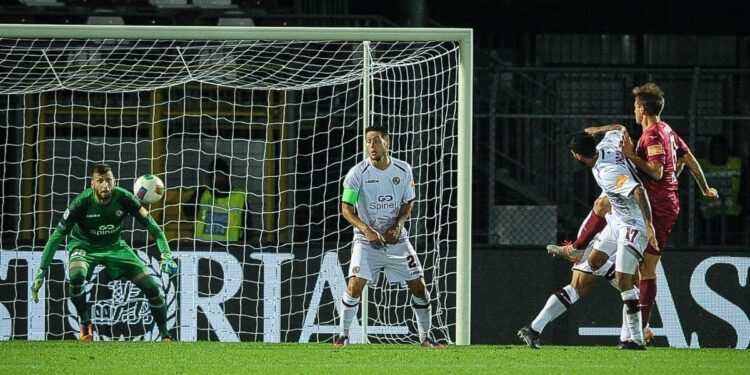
point(512, 33)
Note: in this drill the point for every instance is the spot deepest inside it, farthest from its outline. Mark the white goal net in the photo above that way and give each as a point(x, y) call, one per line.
point(286, 116)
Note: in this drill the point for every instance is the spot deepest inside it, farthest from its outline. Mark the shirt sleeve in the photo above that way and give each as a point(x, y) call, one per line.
point(410, 192)
point(352, 186)
point(653, 147)
point(131, 204)
point(68, 220)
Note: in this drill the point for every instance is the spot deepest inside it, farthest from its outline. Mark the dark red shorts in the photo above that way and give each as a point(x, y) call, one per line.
point(663, 225)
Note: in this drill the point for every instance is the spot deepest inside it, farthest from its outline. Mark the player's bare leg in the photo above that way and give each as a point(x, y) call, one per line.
point(348, 309)
point(420, 303)
point(602, 266)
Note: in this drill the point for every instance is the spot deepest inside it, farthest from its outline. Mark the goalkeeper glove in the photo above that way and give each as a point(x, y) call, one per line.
point(37, 284)
point(168, 265)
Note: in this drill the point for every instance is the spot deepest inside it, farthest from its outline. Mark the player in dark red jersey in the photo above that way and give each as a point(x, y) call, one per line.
point(656, 157)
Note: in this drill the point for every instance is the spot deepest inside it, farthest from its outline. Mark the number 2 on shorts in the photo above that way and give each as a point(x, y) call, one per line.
point(411, 262)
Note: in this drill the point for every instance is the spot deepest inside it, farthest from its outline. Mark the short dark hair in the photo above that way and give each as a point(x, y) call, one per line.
point(582, 143)
point(100, 169)
point(376, 128)
point(650, 97)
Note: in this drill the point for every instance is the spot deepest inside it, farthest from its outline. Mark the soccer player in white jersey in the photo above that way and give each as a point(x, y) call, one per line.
point(631, 223)
point(377, 200)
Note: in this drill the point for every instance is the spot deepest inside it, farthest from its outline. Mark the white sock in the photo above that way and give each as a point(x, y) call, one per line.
point(349, 307)
point(633, 315)
point(624, 330)
point(423, 311)
point(556, 304)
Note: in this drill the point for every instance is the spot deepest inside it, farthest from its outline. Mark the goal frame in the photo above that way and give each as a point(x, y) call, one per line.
point(464, 38)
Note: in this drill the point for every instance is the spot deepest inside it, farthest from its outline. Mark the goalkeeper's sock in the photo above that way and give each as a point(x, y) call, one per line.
point(159, 311)
point(78, 297)
point(423, 311)
point(156, 302)
point(349, 307)
point(592, 225)
point(77, 291)
point(557, 304)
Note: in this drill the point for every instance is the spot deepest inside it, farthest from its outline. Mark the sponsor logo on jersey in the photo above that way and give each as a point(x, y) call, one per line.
point(355, 270)
point(621, 180)
point(396, 180)
point(384, 202)
point(372, 181)
point(655, 150)
point(105, 229)
point(93, 215)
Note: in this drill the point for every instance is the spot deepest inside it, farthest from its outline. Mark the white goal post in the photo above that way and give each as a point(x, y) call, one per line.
point(232, 84)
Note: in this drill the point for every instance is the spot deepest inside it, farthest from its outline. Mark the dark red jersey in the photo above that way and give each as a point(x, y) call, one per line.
point(660, 144)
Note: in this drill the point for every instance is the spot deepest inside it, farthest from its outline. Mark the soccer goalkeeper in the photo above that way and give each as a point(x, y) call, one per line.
point(93, 221)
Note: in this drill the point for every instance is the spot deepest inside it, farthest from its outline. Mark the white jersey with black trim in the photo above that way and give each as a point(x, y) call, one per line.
point(618, 179)
point(381, 193)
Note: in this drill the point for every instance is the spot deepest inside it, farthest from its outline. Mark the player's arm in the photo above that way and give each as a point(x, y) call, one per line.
point(141, 215)
point(653, 165)
point(392, 233)
point(53, 243)
point(680, 165)
point(407, 203)
point(347, 211)
point(641, 199)
point(700, 178)
point(653, 170)
point(597, 130)
point(167, 263)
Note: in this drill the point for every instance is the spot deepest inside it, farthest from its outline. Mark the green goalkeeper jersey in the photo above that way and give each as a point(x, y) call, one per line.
point(98, 226)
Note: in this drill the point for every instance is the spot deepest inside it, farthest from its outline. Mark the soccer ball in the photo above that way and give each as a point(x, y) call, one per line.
point(148, 188)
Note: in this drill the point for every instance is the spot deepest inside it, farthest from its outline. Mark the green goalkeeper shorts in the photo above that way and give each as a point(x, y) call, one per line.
point(119, 259)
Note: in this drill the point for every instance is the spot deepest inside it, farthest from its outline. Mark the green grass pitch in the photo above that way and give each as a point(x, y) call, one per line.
point(71, 357)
